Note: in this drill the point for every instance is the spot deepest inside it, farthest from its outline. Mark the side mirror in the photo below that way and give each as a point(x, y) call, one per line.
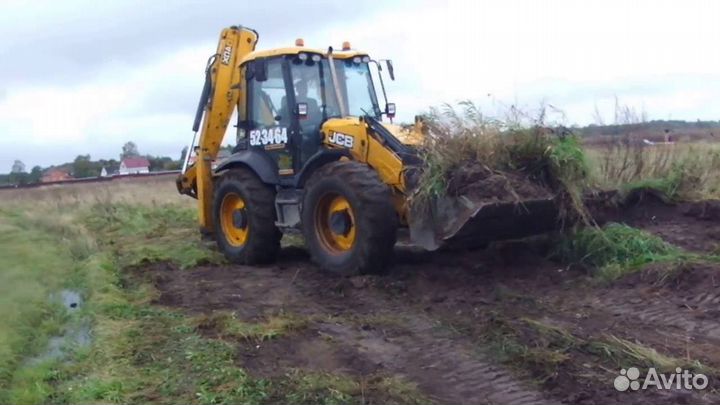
point(390, 110)
point(391, 69)
point(301, 110)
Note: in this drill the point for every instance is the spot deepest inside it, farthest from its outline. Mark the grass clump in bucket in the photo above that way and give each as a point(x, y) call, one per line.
point(465, 152)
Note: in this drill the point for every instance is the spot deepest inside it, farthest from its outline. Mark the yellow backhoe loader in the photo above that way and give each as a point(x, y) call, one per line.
point(314, 154)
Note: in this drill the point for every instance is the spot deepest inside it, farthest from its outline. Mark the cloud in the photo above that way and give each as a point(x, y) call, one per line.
point(83, 77)
point(52, 41)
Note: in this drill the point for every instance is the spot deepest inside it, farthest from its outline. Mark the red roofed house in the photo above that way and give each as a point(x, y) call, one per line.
point(53, 175)
point(133, 165)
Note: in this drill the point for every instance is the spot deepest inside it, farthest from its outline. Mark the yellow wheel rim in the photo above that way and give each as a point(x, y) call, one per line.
point(233, 219)
point(335, 223)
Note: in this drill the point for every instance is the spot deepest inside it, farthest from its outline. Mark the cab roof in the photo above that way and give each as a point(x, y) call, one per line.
point(296, 50)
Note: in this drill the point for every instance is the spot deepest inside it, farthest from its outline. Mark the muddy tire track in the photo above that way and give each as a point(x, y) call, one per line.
point(448, 369)
point(397, 324)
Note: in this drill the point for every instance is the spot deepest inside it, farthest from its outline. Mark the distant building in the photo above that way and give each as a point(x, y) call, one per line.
point(103, 172)
point(55, 175)
point(134, 165)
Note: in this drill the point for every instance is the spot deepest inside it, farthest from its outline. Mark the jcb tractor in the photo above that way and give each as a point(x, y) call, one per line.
point(314, 154)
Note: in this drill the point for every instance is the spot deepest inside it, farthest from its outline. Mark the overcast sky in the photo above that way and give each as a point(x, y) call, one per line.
point(82, 77)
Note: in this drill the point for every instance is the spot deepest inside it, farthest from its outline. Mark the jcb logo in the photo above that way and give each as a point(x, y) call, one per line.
point(341, 139)
point(227, 52)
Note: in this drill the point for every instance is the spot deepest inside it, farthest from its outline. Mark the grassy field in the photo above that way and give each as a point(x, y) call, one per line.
point(682, 171)
point(88, 239)
point(76, 238)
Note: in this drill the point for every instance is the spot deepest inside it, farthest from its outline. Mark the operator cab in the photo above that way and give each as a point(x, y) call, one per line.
point(291, 92)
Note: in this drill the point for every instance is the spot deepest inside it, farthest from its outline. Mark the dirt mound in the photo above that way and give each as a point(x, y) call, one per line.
point(479, 182)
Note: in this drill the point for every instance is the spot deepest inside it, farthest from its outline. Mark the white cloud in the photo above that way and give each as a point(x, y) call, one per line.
point(535, 50)
point(656, 55)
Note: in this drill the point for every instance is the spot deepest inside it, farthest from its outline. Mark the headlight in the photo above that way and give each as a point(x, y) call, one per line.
point(316, 58)
point(357, 59)
point(366, 59)
point(302, 56)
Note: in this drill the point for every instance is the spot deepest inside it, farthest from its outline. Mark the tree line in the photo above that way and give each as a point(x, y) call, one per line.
point(653, 125)
point(84, 166)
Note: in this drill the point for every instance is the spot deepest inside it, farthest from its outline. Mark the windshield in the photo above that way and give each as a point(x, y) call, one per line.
point(312, 82)
point(359, 93)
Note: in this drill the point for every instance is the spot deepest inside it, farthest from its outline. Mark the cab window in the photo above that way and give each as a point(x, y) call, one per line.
point(267, 97)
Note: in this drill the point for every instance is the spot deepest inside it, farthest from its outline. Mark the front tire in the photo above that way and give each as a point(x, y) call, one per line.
point(348, 220)
point(244, 218)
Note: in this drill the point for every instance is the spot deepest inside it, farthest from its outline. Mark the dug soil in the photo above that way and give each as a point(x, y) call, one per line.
point(481, 183)
point(504, 325)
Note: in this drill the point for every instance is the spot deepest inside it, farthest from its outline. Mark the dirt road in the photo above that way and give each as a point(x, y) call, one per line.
point(501, 325)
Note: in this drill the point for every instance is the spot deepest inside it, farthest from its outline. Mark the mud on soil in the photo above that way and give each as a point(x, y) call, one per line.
point(501, 325)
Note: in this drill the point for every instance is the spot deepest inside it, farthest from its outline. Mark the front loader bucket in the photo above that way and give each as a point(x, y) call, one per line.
point(460, 221)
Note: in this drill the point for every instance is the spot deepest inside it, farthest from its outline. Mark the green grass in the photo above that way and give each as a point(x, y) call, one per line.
point(226, 325)
point(615, 250)
point(27, 315)
point(137, 234)
point(88, 239)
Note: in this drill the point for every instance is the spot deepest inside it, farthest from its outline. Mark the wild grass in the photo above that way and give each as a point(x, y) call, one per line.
point(623, 352)
point(680, 171)
point(528, 146)
point(529, 346)
point(546, 351)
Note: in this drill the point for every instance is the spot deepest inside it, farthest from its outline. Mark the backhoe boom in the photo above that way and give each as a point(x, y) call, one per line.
point(222, 92)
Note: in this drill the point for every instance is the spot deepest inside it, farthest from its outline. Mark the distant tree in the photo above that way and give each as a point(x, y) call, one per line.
point(110, 165)
point(35, 175)
point(157, 162)
point(128, 150)
point(172, 165)
point(83, 166)
point(18, 167)
point(183, 153)
point(20, 178)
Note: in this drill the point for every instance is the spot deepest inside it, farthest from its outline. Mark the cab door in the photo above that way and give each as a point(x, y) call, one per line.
point(269, 122)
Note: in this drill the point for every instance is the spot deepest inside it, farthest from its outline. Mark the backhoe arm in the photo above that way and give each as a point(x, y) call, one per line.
point(223, 91)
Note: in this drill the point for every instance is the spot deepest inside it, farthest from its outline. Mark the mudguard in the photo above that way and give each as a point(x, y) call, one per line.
point(257, 161)
point(319, 159)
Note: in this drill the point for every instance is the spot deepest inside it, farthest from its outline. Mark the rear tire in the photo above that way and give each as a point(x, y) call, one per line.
point(348, 220)
point(244, 218)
